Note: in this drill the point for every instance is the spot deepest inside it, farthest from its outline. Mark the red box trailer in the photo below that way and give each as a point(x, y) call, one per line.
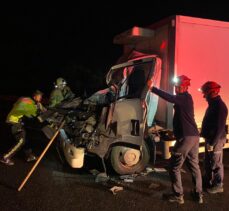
point(195, 47)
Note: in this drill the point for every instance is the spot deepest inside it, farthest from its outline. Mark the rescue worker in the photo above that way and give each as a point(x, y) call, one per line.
point(24, 107)
point(213, 130)
point(187, 140)
point(61, 93)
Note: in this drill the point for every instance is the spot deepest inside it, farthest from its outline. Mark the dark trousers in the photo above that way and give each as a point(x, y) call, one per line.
point(19, 134)
point(214, 171)
point(185, 149)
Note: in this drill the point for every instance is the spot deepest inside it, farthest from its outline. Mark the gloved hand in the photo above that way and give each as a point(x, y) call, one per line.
point(209, 148)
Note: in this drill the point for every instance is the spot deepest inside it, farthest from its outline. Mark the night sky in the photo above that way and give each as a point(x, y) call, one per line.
point(39, 45)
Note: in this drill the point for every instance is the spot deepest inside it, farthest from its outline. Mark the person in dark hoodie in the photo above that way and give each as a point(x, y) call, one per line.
point(187, 140)
point(213, 130)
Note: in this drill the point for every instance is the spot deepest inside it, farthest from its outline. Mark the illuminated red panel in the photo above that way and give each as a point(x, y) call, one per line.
point(136, 31)
point(163, 45)
point(201, 53)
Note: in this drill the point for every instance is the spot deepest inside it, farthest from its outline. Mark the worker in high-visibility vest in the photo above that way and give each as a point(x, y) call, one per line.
point(24, 107)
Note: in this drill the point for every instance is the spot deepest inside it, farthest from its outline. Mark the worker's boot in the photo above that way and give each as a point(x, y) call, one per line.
point(7, 161)
point(30, 156)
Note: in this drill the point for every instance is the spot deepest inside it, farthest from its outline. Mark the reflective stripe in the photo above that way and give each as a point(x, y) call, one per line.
point(23, 107)
point(217, 152)
point(14, 119)
point(27, 100)
point(14, 149)
point(176, 153)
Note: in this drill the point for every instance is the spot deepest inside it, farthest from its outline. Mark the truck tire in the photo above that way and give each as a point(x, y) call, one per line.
point(125, 160)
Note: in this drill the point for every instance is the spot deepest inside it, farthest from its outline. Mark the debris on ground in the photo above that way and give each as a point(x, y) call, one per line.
point(128, 180)
point(101, 177)
point(144, 174)
point(160, 170)
point(94, 172)
point(154, 185)
point(128, 176)
point(116, 189)
point(149, 169)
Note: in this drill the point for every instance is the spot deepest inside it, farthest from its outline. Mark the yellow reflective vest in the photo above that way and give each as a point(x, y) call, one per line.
point(24, 106)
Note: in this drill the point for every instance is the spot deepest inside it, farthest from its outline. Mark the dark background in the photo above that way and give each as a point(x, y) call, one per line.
point(75, 42)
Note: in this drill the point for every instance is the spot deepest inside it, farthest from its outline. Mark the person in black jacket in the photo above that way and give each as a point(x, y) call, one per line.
point(213, 130)
point(187, 139)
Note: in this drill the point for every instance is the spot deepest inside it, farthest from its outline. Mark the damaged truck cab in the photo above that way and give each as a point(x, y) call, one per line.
point(115, 128)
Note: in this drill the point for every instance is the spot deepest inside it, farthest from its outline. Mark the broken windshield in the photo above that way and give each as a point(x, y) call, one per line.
point(131, 77)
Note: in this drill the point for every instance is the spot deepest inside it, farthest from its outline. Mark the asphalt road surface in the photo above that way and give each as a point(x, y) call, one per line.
point(54, 186)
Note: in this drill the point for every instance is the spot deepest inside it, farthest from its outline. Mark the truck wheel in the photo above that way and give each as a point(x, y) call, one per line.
point(125, 160)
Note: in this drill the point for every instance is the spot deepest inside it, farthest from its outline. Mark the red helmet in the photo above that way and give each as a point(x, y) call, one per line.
point(209, 87)
point(182, 80)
